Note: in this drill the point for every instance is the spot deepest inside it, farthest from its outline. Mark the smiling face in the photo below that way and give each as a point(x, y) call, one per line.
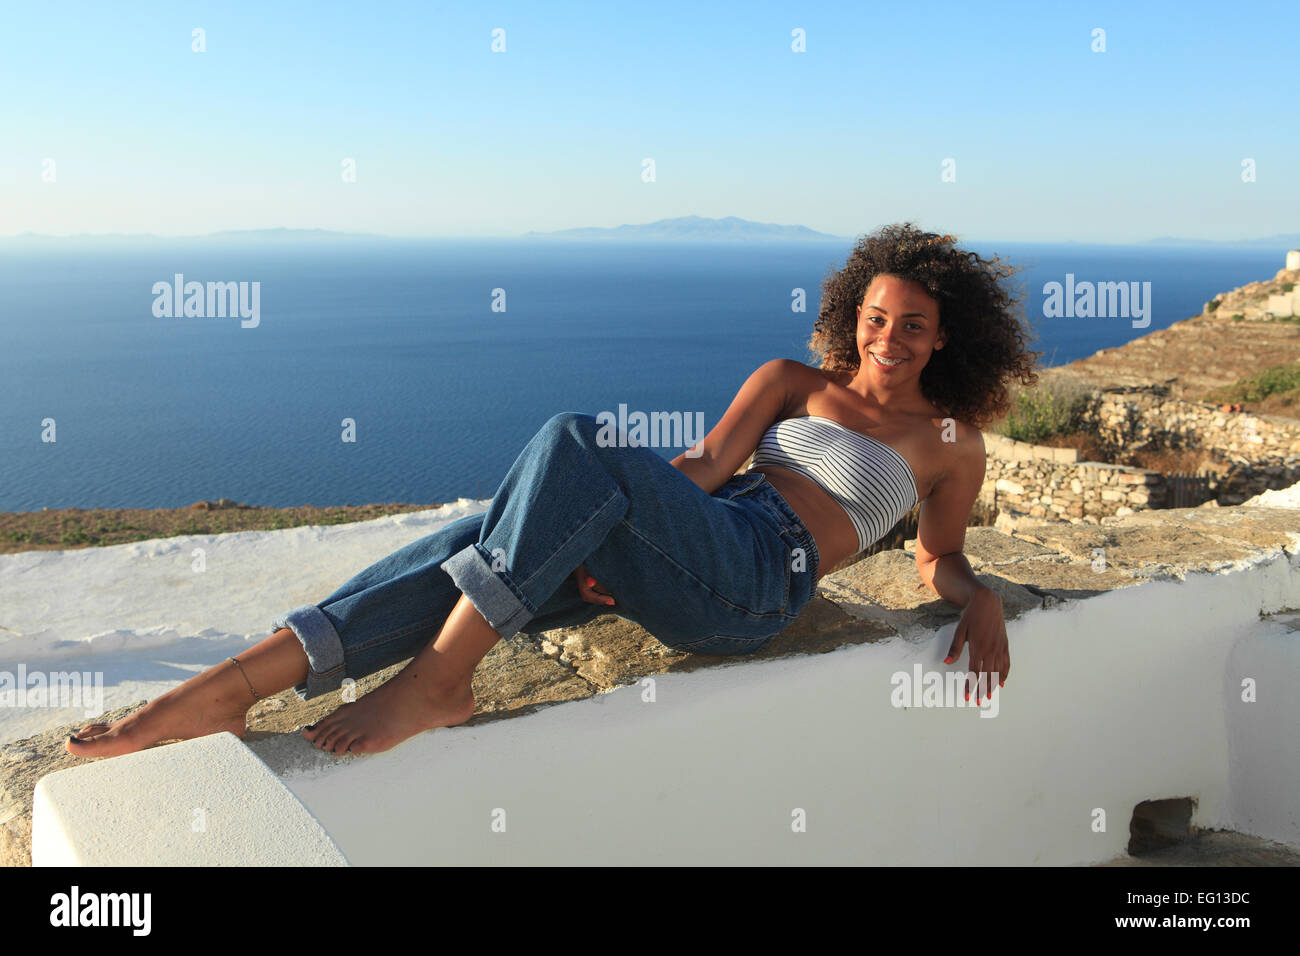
point(897, 320)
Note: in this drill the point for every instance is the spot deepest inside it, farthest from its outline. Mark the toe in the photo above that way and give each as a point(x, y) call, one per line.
point(318, 731)
point(339, 742)
point(329, 734)
point(104, 744)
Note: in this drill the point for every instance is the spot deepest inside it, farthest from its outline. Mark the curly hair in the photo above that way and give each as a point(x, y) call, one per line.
point(986, 341)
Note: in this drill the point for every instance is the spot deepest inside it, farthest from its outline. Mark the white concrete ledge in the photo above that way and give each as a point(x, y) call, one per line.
point(1165, 690)
point(1129, 696)
point(202, 802)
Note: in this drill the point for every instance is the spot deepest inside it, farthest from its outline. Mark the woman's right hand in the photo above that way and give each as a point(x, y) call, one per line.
point(590, 591)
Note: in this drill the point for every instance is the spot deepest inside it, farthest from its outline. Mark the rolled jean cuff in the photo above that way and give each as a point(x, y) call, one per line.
point(325, 664)
point(491, 594)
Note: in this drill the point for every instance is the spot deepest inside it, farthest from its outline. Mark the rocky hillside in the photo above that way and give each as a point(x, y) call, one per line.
point(1201, 353)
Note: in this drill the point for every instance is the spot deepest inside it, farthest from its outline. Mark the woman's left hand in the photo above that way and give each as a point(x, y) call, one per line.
point(983, 626)
point(589, 590)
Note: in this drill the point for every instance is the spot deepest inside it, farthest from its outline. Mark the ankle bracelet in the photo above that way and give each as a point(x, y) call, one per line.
point(256, 695)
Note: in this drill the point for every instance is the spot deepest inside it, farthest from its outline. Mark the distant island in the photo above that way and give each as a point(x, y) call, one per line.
point(730, 229)
point(1281, 241)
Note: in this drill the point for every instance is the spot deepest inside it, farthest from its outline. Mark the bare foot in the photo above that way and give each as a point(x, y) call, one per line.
point(402, 707)
point(197, 708)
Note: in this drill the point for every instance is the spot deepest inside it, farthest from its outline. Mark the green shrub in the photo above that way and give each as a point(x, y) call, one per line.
point(1238, 317)
point(1212, 305)
point(1043, 412)
point(1287, 287)
point(1271, 381)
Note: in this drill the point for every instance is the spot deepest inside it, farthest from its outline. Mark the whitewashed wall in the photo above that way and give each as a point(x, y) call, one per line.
point(1124, 697)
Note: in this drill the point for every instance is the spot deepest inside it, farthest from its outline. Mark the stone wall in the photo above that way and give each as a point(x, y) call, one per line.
point(1253, 453)
point(1039, 481)
point(1130, 417)
point(1284, 305)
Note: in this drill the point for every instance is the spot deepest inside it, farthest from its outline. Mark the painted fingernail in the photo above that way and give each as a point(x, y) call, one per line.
point(610, 601)
point(948, 659)
point(968, 695)
point(1002, 683)
point(591, 582)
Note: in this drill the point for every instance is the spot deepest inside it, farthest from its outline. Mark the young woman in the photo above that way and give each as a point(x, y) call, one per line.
point(916, 342)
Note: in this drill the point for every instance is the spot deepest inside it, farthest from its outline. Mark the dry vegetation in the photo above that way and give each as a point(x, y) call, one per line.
point(83, 528)
point(1271, 391)
point(1171, 459)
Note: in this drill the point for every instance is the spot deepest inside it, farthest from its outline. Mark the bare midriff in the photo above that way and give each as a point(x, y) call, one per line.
point(908, 431)
point(829, 523)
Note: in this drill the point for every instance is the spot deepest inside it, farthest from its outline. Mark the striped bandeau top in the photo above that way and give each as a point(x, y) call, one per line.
point(867, 478)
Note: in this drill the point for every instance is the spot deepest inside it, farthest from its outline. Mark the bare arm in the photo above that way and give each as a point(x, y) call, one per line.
point(756, 406)
point(944, 568)
point(941, 531)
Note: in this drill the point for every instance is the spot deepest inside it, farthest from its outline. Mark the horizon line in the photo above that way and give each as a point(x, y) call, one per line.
point(554, 235)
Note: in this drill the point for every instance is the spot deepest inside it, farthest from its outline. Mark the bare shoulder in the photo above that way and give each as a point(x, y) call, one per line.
point(968, 439)
point(804, 380)
point(965, 459)
point(796, 379)
point(789, 369)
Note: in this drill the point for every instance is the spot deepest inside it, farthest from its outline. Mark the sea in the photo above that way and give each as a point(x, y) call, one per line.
point(369, 370)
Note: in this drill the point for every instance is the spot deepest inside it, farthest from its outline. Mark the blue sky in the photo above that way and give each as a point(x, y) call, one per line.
point(1051, 140)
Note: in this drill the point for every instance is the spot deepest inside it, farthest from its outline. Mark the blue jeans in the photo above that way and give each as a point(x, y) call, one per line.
point(706, 574)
